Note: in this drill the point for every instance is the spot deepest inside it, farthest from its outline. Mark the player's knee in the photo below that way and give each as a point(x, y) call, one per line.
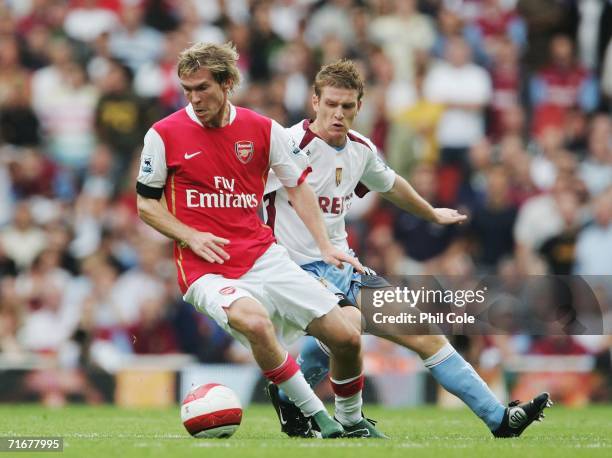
point(354, 342)
point(258, 327)
point(251, 320)
point(348, 344)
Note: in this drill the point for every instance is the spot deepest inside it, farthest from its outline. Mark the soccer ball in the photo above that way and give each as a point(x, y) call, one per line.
point(211, 411)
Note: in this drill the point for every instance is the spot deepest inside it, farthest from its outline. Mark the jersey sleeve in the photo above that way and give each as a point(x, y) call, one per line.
point(287, 160)
point(153, 171)
point(273, 183)
point(377, 175)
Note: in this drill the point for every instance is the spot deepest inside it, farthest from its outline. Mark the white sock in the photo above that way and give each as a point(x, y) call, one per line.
point(348, 410)
point(299, 392)
point(442, 355)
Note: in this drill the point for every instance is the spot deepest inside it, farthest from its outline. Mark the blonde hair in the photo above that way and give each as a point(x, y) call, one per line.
point(220, 60)
point(341, 74)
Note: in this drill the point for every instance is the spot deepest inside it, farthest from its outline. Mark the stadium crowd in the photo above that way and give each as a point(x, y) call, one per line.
point(500, 108)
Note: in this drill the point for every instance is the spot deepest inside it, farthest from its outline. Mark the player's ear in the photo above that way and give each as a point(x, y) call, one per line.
point(358, 105)
point(227, 86)
point(315, 102)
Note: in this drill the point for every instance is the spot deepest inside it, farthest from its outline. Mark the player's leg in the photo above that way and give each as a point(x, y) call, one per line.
point(455, 374)
point(346, 377)
point(240, 314)
point(458, 377)
point(346, 371)
point(314, 363)
point(344, 343)
point(251, 319)
point(446, 365)
point(314, 356)
point(307, 304)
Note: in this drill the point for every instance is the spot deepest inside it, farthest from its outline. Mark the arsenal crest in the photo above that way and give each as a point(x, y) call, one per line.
point(244, 151)
point(338, 176)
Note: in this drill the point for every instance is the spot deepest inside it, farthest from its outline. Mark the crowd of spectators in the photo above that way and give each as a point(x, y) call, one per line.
point(500, 108)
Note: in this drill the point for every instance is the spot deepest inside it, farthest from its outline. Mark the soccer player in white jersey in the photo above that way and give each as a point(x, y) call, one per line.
point(345, 163)
point(202, 177)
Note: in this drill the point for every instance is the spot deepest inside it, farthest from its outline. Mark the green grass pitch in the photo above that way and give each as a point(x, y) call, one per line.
point(419, 432)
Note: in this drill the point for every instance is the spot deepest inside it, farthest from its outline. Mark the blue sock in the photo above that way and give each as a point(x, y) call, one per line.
point(314, 363)
point(458, 377)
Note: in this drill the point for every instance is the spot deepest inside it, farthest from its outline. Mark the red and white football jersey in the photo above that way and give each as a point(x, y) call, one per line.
point(213, 180)
point(337, 176)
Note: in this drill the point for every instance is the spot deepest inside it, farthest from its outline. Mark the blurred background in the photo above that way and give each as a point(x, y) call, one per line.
point(500, 108)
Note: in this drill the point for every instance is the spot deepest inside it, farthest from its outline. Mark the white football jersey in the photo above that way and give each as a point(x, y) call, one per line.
point(337, 177)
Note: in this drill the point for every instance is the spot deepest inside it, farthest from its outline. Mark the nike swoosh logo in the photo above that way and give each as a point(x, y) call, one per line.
point(190, 155)
point(282, 420)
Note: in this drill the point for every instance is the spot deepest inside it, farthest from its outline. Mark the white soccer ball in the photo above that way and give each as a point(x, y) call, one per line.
point(211, 411)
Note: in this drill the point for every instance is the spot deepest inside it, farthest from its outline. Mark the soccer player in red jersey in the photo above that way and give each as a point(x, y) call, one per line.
point(202, 177)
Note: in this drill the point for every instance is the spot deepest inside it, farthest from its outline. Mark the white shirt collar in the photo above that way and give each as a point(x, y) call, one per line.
point(194, 117)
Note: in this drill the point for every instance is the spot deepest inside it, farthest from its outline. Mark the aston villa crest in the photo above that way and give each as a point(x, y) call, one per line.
point(338, 176)
point(244, 151)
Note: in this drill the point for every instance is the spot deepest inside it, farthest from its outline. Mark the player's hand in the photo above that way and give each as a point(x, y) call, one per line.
point(208, 246)
point(336, 257)
point(448, 216)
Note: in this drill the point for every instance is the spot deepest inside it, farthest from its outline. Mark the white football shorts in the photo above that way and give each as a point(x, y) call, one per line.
point(292, 297)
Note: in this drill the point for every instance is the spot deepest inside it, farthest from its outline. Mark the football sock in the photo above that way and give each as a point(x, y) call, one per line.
point(314, 363)
point(458, 377)
point(348, 399)
point(290, 379)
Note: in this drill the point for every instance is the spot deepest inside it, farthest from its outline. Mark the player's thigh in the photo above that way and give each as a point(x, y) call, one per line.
point(353, 316)
point(424, 345)
point(214, 295)
point(249, 317)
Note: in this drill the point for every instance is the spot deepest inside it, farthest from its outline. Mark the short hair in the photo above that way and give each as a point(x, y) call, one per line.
point(340, 74)
point(220, 60)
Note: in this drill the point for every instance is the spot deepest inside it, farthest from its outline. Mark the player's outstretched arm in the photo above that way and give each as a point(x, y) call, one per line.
point(405, 197)
point(206, 245)
point(304, 202)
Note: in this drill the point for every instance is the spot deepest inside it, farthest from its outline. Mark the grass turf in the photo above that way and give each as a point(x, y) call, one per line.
point(421, 432)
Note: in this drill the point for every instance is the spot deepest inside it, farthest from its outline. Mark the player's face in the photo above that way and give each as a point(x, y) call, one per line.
point(335, 110)
point(208, 98)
